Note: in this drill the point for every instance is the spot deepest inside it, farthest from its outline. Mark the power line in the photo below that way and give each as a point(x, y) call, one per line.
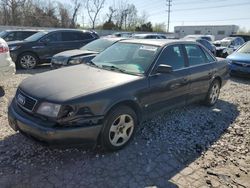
point(220, 20)
point(212, 7)
point(202, 8)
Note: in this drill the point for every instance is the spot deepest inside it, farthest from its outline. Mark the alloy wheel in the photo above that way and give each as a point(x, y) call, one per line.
point(215, 91)
point(28, 62)
point(121, 130)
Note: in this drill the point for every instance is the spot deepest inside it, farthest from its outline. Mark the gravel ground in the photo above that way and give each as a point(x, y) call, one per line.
point(195, 146)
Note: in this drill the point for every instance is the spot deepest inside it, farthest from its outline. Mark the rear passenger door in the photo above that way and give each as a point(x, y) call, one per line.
point(75, 40)
point(201, 67)
point(169, 89)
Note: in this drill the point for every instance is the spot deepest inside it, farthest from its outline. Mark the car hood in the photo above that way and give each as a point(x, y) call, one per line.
point(74, 53)
point(237, 56)
point(15, 43)
point(69, 83)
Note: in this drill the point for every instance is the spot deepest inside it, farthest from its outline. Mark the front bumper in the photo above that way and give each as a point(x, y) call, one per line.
point(20, 121)
point(239, 70)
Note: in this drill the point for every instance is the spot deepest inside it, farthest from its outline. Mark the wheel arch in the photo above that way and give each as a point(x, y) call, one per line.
point(129, 103)
point(30, 52)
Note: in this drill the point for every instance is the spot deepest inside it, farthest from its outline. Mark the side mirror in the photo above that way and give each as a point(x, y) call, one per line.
point(164, 69)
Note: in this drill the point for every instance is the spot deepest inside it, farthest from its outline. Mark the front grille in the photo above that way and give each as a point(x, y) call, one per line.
point(24, 101)
point(242, 64)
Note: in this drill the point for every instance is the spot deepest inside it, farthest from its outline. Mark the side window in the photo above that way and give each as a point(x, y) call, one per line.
point(210, 58)
point(10, 36)
point(69, 36)
point(86, 36)
point(195, 55)
point(54, 37)
point(172, 56)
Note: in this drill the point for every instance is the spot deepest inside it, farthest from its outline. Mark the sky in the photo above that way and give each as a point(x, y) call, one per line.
point(188, 12)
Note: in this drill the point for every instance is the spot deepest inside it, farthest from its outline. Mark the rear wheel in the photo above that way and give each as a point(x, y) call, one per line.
point(119, 127)
point(27, 61)
point(213, 93)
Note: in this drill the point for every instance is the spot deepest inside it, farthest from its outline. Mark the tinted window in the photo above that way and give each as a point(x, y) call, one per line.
point(75, 36)
point(10, 37)
point(36, 36)
point(195, 55)
point(172, 56)
point(86, 36)
point(54, 37)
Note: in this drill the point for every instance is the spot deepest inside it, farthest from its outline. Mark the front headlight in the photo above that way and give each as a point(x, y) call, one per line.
point(75, 61)
point(49, 109)
point(12, 48)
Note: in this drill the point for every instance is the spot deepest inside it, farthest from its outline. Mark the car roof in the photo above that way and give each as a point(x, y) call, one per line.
point(158, 42)
point(77, 30)
point(14, 30)
point(114, 39)
point(146, 34)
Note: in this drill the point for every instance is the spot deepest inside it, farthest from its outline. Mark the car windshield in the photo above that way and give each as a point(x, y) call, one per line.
point(129, 58)
point(2, 34)
point(245, 48)
point(98, 45)
point(36, 36)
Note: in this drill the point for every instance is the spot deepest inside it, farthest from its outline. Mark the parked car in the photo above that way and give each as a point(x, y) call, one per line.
point(40, 47)
point(125, 84)
point(239, 61)
point(227, 46)
point(246, 37)
point(149, 36)
point(123, 34)
point(14, 35)
point(84, 54)
point(207, 44)
point(209, 38)
point(7, 66)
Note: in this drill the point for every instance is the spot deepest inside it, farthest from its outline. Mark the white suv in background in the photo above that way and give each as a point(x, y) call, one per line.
point(7, 66)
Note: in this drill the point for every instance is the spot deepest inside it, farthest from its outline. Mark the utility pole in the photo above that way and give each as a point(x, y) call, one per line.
point(169, 10)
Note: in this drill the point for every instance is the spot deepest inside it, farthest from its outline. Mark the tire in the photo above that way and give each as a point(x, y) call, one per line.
point(27, 61)
point(118, 128)
point(213, 93)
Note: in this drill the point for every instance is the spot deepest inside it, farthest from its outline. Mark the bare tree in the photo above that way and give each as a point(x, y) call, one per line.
point(111, 14)
point(64, 16)
point(77, 6)
point(94, 7)
point(11, 9)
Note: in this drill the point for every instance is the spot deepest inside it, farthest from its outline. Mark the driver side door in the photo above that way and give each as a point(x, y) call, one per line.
point(168, 90)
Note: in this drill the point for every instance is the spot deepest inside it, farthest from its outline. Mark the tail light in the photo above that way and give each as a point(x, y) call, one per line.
point(4, 49)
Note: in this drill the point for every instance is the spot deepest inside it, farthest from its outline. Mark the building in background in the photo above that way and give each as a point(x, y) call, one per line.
point(219, 31)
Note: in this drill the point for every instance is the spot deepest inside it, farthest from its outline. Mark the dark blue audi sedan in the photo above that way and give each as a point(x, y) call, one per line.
point(239, 61)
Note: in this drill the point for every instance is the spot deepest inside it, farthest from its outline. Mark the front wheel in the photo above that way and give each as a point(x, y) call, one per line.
point(27, 61)
point(213, 93)
point(119, 127)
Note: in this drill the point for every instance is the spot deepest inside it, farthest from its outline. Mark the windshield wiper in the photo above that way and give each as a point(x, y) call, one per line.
point(91, 63)
point(112, 67)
